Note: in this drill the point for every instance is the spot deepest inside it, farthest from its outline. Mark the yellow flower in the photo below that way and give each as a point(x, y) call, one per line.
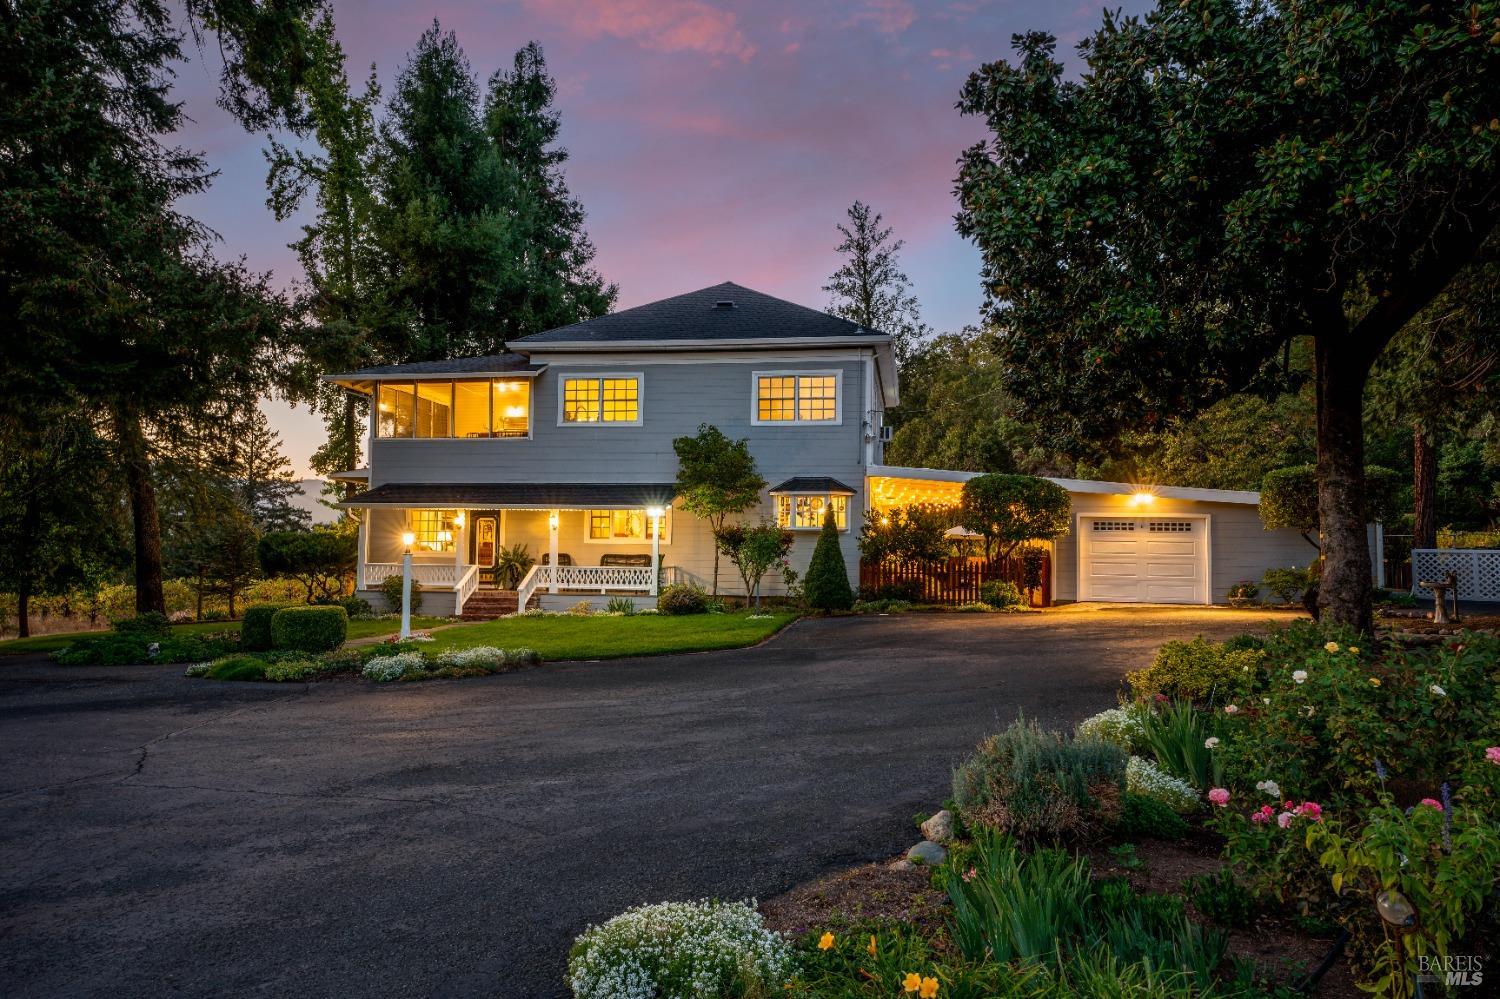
point(826, 942)
point(929, 988)
point(1374, 681)
point(871, 948)
point(912, 982)
point(1354, 649)
point(1331, 647)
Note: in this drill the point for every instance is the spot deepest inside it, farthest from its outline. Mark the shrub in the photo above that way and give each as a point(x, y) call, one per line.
point(522, 658)
point(255, 627)
point(682, 598)
point(1185, 742)
point(1221, 898)
point(581, 609)
point(111, 649)
point(1196, 670)
point(320, 559)
point(390, 588)
point(1010, 510)
point(881, 606)
point(1146, 779)
point(827, 584)
point(1142, 817)
point(309, 629)
point(1118, 726)
point(357, 607)
point(1036, 784)
point(237, 667)
point(285, 670)
point(153, 623)
point(1287, 585)
point(1000, 594)
point(1243, 592)
point(909, 590)
point(384, 669)
point(198, 669)
point(707, 949)
point(620, 605)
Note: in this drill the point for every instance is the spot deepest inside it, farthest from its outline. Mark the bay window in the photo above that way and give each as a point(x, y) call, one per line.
point(805, 512)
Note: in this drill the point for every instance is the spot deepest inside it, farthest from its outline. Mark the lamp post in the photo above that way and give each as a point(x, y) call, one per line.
point(407, 539)
point(655, 513)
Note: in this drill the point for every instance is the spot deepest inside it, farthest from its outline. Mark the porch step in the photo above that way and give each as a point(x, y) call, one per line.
point(486, 605)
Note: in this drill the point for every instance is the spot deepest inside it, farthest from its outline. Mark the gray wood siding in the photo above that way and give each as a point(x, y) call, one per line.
point(675, 399)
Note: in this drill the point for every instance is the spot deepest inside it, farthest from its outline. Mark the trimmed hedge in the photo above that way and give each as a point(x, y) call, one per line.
point(255, 627)
point(309, 629)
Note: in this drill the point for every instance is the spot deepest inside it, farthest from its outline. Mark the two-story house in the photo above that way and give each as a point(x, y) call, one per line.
point(564, 446)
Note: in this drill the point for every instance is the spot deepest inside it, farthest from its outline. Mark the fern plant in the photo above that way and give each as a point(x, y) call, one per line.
point(511, 566)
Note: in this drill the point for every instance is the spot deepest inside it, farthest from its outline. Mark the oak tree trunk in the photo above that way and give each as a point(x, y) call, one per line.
point(1424, 489)
point(1344, 590)
point(145, 523)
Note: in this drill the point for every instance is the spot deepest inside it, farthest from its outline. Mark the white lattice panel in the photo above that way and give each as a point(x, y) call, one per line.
point(1477, 569)
point(604, 577)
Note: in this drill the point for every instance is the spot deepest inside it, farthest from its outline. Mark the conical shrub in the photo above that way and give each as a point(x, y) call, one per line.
point(827, 583)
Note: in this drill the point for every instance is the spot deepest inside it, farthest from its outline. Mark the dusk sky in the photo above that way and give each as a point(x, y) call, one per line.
point(710, 140)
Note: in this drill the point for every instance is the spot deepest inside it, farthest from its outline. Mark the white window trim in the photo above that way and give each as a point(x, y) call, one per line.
point(838, 398)
point(530, 415)
point(848, 509)
point(564, 377)
point(666, 533)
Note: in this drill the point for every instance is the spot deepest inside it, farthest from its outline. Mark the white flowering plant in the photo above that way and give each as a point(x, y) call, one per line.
point(480, 657)
point(681, 950)
point(1149, 780)
point(1117, 726)
point(384, 669)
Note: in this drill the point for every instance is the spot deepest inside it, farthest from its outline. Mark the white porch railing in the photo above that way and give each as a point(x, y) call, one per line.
point(528, 586)
point(1477, 569)
point(433, 575)
point(604, 578)
point(465, 587)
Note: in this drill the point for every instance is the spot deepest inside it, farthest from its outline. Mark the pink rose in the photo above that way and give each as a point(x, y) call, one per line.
point(1284, 819)
point(1219, 796)
point(1493, 754)
point(1431, 803)
point(1259, 817)
point(1311, 810)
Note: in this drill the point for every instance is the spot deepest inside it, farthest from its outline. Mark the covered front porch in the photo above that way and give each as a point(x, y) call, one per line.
point(491, 549)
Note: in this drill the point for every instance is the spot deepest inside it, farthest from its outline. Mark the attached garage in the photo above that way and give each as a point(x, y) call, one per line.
point(1132, 543)
point(1155, 560)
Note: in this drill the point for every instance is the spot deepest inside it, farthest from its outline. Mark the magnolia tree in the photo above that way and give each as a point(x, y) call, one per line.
point(1010, 510)
point(1223, 179)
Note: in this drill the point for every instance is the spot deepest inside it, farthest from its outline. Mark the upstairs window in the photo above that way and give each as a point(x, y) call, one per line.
point(804, 512)
point(600, 399)
point(797, 397)
point(472, 409)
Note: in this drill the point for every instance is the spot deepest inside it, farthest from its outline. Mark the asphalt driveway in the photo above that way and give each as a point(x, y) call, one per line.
point(166, 836)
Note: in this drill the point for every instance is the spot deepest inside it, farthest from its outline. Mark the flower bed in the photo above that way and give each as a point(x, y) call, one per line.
point(383, 663)
point(1301, 777)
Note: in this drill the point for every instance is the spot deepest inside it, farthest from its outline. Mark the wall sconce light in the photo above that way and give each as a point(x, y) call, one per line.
point(656, 512)
point(552, 521)
point(1141, 497)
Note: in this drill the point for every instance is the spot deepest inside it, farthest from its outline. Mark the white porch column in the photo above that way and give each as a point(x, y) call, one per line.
point(552, 522)
point(460, 544)
point(362, 545)
point(655, 513)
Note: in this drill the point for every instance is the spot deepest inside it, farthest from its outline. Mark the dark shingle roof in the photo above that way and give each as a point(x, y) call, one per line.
point(571, 495)
point(813, 484)
point(452, 366)
point(696, 316)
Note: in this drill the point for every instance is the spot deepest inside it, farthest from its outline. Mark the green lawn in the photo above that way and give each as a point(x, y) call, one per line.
point(565, 637)
point(357, 629)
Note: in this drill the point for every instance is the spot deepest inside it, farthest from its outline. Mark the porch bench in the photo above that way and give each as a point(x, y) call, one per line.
point(644, 561)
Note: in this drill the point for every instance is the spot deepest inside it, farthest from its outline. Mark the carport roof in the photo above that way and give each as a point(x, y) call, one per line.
point(520, 495)
point(1247, 497)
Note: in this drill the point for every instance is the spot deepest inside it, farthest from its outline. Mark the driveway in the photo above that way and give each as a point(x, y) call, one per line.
point(161, 835)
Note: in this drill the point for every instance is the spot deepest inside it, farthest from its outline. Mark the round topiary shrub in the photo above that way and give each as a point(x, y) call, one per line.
point(1000, 594)
point(681, 949)
point(827, 584)
point(255, 627)
point(309, 629)
point(682, 598)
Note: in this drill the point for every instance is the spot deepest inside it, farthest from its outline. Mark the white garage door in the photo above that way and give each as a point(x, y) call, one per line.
point(1159, 560)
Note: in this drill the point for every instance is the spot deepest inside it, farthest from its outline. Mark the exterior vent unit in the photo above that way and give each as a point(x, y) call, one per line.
point(724, 304)
point(886, 433)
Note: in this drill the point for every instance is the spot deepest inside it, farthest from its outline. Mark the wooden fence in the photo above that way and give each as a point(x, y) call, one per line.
point(954, 580)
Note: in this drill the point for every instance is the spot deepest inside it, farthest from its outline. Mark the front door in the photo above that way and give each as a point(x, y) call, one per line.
point(486, 543)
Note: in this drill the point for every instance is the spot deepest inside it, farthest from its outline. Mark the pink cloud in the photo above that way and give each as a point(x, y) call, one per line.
point(889, 17)
point(658, 25)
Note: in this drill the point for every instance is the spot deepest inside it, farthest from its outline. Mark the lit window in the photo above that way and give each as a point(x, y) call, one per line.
point(394, 411)
point(471, 409)
point(803, 512)
point(434, 409)
point(434, 530)
point(601, 399)
point(625, 525)
point(797, 398)
point(512, 407)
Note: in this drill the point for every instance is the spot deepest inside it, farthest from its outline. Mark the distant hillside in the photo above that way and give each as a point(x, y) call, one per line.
point(307, 499)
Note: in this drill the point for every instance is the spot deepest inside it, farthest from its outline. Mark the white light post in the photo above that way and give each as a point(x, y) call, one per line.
point(655, 513)
point(552, 573)
point(407, 539)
